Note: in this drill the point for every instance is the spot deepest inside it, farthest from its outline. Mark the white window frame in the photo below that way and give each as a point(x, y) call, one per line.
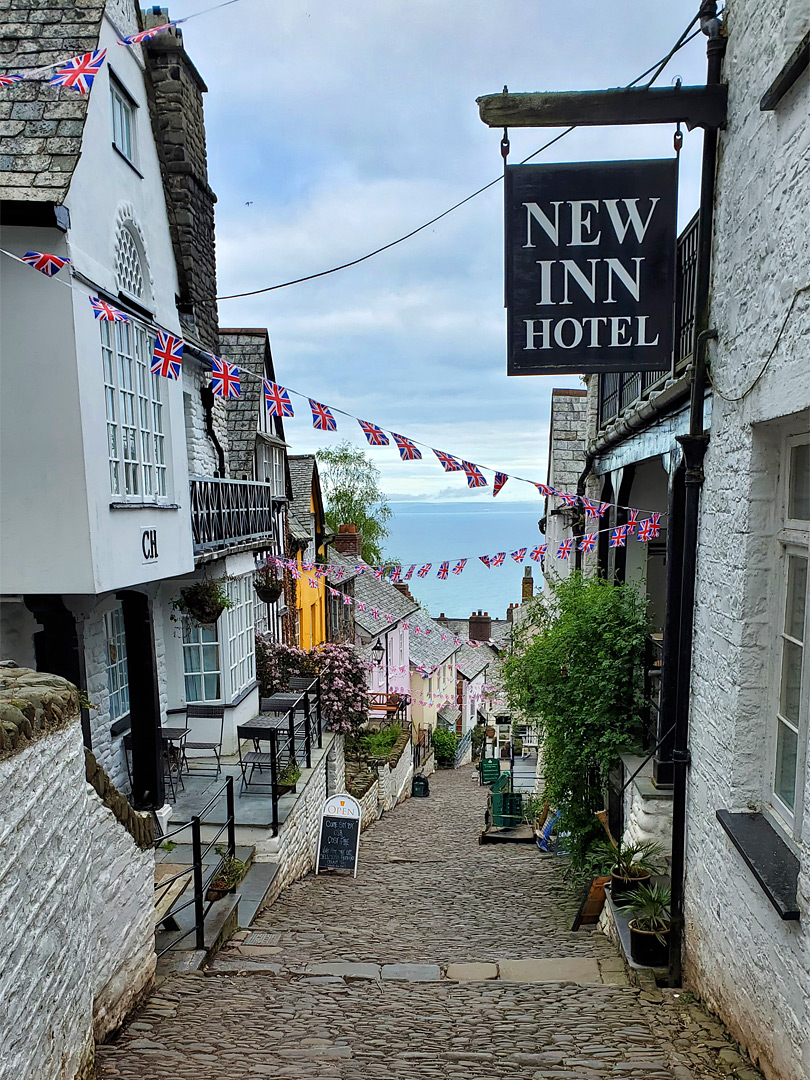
point(136, 414)
point(124, 121)
point(793, 541)
point(194, 647)
point(240, 635)
point(116, 666)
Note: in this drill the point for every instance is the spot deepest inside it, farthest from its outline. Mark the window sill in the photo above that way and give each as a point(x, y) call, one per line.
point(144, 506)
point(768, 857)
point(122, 155)
point(120, 727)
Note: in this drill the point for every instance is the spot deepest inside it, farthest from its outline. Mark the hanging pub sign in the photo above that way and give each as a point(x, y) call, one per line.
point(590, 266)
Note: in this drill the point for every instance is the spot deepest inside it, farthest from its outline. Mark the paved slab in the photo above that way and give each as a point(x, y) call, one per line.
point(426, 897)
point(412, 972)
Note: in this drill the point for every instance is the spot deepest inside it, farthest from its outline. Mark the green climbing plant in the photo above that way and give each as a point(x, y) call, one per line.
point(578, 674)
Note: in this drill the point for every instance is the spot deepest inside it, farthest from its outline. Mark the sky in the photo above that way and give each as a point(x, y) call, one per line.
point(333, 129)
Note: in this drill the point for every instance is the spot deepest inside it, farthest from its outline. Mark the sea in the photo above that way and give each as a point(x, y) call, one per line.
point(421, 532)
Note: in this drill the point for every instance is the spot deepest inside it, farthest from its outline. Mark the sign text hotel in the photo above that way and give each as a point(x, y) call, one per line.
point(590, 266)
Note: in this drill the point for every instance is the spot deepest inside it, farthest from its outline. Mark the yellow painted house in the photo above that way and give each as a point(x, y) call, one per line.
point(307, 538)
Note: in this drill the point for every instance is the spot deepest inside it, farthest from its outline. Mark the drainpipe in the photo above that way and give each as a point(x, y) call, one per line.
point(207, 399)
point(694, 447)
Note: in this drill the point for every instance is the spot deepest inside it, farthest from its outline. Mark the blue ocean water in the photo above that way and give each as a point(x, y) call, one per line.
point(434, 531)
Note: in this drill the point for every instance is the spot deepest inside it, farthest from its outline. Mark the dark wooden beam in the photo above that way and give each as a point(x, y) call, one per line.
point(694, 106)
point(798, 62)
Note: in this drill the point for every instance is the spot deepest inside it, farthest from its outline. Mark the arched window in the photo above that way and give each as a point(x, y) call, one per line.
point(129, 264)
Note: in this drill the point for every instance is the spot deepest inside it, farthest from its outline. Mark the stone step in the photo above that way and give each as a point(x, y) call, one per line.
point(254, 890)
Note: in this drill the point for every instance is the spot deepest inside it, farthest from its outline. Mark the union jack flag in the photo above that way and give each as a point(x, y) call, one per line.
point(424, 570)
point(409, 575)
point(396, 574)
point(296, 573)
point(339, 573)
point(407, 450)
point(602, 508)
point(389, 618)
point(497, 560)
point(313, 584)
point(618, 537)
point(443, 637)
point(500, 480)
point(456, 641)
point(375, 614)
point(518, 555)
point(379, 573)
point(417, 629)
point(360, 570)
point(591, 509)
point(406, 626)
point(332, 592)
point(486, 560)
point(569, 500)
point(655, 520)
point(447, 461)
point(79, 72)
point(277, 399)
point(539, 552)
point(544, 489)
point(224, 378)
point(45, 263)
point(475, 478)
point(375, 435)
point(443, 571)
point(105, 312)
point(320, 571)
point(7, 80)
point(564, 550)
point(347, 599)
point(588, 542)
point(307, 566)
point(360, 605)
point(145, 35)
point(459, 566)
point(322, 418)
point(167, 355)
point(631, 524)
point(645, 531)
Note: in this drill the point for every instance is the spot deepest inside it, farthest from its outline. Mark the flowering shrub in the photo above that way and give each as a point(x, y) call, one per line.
point(344, 692)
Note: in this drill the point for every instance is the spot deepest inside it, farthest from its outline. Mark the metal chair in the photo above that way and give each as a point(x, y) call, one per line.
point(205, 712)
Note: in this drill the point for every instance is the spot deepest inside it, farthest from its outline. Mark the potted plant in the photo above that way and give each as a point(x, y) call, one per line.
point(649, 930)
point(203, 601)
point(267, 583)
point(230, 872)
point(629, 865)
point(288, 778)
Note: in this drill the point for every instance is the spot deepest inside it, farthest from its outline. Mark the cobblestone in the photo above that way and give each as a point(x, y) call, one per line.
point(445, 900)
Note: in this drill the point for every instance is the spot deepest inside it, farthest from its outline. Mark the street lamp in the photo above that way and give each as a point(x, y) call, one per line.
point(377, 652)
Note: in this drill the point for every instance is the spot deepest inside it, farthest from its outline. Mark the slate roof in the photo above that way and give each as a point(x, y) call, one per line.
point(472, 662)
point(381, 595)
point(459, 627)
point(334, 558)
point(428, 649)
point(302, 466)
point(250, 351)
point(41, 125)
point(449, 714)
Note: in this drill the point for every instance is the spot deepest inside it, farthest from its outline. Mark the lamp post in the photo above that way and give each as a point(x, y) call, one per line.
point(377, 653)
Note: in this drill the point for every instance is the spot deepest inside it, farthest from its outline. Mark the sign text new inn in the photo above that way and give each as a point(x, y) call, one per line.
point(590, 266)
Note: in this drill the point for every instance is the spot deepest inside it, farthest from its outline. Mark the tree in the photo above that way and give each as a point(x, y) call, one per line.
point(350, 482)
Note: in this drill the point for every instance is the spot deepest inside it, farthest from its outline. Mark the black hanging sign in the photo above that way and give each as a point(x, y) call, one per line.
point(339, 837)
point(590, 266)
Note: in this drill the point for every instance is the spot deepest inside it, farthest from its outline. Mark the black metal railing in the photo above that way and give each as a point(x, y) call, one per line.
point(653, 662)
point(200, 881)
point(422, 746)
point(618, 389)
point(227, 512)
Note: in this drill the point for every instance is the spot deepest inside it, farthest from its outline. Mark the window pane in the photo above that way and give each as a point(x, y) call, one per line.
point(191, 658)
point(796, 597)
point(210, 655)
point(208, 633)
point(791, 680)
point(193, 688)
point(786, 752)
point(211, 683)
point(799, 501)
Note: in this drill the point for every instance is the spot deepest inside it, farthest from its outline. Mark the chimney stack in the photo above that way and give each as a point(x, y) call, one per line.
point(348, 541)
point(480, 626)
point(402, 586)
point(527, 585)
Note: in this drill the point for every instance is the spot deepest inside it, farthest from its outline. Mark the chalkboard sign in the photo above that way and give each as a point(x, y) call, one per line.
point(339, 837)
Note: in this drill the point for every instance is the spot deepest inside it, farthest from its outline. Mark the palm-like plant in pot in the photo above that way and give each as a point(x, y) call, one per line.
point(628, 864)
point(268, 583)
point(649, 929)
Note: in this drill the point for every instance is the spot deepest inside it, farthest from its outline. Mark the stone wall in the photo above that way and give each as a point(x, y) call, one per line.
point(752, 968)
point(336, 766)
point(76, 892)
point(394, 777)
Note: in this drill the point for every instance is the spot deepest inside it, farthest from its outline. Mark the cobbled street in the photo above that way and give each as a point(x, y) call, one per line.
point(442, 958)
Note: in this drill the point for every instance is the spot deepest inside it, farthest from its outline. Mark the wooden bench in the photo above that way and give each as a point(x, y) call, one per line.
point(167, 895)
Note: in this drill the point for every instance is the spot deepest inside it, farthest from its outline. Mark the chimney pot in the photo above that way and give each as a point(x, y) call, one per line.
point(348, 541)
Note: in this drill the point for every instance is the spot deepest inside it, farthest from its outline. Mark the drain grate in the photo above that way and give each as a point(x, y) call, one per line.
point(261, 937)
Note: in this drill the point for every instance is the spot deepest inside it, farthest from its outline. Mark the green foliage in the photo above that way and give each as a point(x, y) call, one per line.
point(379, 744)
point(444, 746)
point(649, 905)
point(626, 860)
point(579, 674)
point(203, 601)
point(290, 774)
point(350, 482)
point(230, 873)
point(533, 807)
point(478, 738)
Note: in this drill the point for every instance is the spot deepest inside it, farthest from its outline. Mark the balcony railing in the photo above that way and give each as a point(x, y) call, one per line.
point(618, 389)
point(225, 513)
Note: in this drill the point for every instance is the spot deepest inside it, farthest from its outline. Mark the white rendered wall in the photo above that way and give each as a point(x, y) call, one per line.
point(749, 965)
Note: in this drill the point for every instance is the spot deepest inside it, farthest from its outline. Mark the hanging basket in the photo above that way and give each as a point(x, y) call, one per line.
point(268, 594)
point(203, 602)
